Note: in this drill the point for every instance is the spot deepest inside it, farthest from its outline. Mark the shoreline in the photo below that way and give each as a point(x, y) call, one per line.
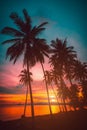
point(72, 120)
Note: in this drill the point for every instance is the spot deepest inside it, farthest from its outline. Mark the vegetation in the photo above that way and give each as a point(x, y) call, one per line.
point(26, 43)
point(67, 72)
point(25, 81)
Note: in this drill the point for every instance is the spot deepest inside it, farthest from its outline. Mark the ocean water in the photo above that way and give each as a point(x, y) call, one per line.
point(11, 112)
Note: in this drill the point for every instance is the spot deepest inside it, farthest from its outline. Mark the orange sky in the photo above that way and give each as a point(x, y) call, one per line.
point(20, 98)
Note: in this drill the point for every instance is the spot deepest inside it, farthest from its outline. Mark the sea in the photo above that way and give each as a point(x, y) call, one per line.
point(11, 112)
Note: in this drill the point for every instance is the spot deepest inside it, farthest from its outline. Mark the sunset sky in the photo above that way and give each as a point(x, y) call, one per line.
point(66, 18)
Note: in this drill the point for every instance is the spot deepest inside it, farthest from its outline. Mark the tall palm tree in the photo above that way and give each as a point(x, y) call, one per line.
point(41, 50)
point(64, 95)
point(57, 75)
point(49, 80)
point(61, 57)
point(24, 37)
point(25, 81)
point(65, 56)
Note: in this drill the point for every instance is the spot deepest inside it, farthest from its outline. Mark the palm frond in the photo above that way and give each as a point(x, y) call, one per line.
point(11, 41)
point(15, 51)
point(35, 31)
point(27, 17)
point(18, 21)
point(41, 25)
point(12, 32)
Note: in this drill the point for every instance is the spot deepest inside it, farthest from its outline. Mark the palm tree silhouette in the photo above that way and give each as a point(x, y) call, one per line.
point(66, 56)
point(49, 80)
point(80, 74)
point(23, 43)
point(74, 100)
point(41, 50)
point(62, 56)
point(64, 94)
point(80, 71)
point(84, 91)
point(57, 74)
point(25, 81)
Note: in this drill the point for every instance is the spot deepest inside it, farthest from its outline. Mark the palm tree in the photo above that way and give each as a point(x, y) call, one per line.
point(25, 81)
point(80, 71)
point(41, 50)
point(49, 80)
point(57, 74)
point(80, 74)
point(22, 44)
point(62, 56)
point(74, 99)
point(65, 56)
point(64, 95)
point(84, 91)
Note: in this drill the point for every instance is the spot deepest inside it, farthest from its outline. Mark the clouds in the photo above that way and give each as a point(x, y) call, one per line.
point(4, 90)
point(66, 19)
point(9, 74)
point(9, 78)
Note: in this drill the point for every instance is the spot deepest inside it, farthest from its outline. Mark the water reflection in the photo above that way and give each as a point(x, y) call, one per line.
point(14, 112)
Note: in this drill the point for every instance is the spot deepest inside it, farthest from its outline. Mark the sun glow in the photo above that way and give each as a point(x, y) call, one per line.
point(80, 95)
point(52, 98)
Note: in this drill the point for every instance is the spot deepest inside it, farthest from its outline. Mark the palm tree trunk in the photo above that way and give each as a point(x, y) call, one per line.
point(31, 97)
point(70, 79)
point(64, 105)
point(56, 97)
point(26, 101)
point(47, 89)
point(63, 109)
point(63, 83)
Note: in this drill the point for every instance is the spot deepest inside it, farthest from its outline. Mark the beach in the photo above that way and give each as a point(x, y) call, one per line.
point(73, 120)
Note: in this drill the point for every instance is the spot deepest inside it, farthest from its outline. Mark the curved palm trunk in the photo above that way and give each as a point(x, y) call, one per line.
point(56, 97)
point(62, 82)
point(47, 90)
point(26, 101)
point(61, 98)
point(31, 97)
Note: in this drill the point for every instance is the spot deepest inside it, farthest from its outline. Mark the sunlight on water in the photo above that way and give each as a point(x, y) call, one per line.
point(14, 112)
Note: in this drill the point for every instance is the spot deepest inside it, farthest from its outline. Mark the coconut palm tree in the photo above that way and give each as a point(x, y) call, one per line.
point(74, 99)
point(24, 37)
point(80, 71)
point(65, 56)
point(49, 79)
point(61, 57)
point(57, 75)
point(64, 95)
point(80, 74)
point(25, 81)
point(41, 50)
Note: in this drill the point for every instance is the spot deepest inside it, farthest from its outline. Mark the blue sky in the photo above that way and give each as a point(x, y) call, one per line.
point(66, 18)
